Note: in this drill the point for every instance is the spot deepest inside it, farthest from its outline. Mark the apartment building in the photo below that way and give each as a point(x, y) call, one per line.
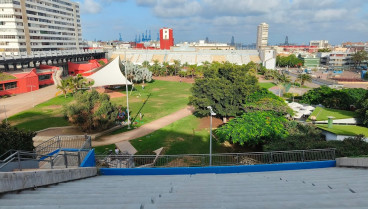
point(262, 36)
point(28, 26)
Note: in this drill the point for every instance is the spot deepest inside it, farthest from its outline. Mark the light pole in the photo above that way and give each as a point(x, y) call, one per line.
point(211, 114)
point(126, 88)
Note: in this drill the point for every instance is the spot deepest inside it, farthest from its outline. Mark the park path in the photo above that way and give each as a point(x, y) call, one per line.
point(21, 102)
point(145, 129)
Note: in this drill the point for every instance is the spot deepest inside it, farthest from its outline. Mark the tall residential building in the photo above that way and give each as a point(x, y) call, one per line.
point(262, 35)
point(319, 43)
point(39, 25)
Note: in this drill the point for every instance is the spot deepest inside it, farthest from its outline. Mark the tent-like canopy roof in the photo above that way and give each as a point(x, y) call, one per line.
point(110, 74)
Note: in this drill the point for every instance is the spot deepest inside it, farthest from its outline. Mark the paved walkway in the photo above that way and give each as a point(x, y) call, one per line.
point(145, 129)
point(22, 102)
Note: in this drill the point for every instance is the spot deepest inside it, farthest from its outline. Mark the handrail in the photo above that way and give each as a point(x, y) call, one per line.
point(248, 158)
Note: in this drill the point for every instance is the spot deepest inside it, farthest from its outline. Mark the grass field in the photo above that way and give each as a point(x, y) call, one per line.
point(181, 137)
point(347, 130)
point(161, 98)
point(324, 113)
point(267, 85)
point(165, 98)
point(44, 115)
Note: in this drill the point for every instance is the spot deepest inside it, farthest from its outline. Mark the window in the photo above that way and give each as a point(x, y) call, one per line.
point(11, 85)
point(44, 77)
point(1, 87)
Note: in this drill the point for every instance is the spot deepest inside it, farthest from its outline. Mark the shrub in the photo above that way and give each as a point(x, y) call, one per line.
point(91, 111)
point(13, 138)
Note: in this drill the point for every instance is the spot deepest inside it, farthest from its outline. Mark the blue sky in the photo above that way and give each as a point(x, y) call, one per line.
point(302, 20)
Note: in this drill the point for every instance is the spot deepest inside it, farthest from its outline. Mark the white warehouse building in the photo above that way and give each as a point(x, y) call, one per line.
point(27, 26)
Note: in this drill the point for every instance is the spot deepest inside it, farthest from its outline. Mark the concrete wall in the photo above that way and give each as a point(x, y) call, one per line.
point(331, 136)
point(352, 162)
point(12, 181)
point(28, 164)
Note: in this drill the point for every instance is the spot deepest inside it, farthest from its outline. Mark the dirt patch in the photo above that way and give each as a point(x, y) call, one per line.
point(205, 123)
point(61, 131)
point(174, 78)
point(186, 162)
point(116, 94)
point(156, 89)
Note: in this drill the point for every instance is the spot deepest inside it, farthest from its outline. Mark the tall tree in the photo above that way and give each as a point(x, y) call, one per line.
point(303, 78)
point(359, 57)
point(225, 87)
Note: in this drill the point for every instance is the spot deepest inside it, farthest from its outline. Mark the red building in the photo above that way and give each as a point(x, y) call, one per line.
point(166, 38)
point(86, 68)
point(295, 48)
point(27, 80)
point(22, 82)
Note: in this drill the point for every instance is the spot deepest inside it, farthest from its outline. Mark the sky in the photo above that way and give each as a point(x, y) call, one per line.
point(301, 20)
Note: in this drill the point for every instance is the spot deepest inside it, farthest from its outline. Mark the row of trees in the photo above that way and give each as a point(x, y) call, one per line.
point(290, 61)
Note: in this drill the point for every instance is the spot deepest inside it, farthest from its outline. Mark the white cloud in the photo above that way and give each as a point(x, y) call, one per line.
point(177, 8)
point(146, 3)
point(90, 7)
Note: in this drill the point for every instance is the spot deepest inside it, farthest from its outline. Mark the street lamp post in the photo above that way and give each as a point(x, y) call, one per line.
point(126, 88)
point(211, 114)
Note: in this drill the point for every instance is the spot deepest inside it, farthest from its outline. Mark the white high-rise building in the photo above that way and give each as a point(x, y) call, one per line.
point(262, 35)
point(39, 25)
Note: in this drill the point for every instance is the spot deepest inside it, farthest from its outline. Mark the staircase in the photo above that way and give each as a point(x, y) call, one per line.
point(314, 188)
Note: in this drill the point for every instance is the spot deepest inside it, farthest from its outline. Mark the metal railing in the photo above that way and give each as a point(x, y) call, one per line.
point(223, 159)
point(59, 151)
point(63, 141)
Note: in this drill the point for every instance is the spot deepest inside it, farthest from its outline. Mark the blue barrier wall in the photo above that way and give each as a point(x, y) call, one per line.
point(89, 160)
point(217, 169)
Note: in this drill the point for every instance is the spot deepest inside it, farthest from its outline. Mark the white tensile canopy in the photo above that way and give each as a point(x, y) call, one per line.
point(109, 75)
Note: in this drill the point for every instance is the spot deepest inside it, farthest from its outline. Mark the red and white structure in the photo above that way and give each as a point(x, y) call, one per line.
point(166, 38)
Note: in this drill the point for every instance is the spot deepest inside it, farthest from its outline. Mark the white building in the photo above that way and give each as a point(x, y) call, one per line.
point(319, 43)
point(268, 58)
point(39, 25)
point(262, 35)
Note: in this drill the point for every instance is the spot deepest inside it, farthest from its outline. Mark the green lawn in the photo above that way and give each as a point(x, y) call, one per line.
point(324, 113)
point(180, 137)
point(164, 98)
point(348, 130)
point(44, 115)
point(105, 149)
point(267, 85)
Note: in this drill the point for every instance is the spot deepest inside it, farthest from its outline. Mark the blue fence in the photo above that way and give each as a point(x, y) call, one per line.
point(218, 169)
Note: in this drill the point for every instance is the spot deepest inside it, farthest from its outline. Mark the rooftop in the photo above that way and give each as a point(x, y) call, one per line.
point(314, 188)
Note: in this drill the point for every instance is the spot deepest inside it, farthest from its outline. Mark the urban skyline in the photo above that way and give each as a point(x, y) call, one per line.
point(192, 20)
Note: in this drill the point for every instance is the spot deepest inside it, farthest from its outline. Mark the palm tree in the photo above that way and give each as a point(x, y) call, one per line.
point(145, 64)
point(64, 86)
point(303, 78)
point(177, 66)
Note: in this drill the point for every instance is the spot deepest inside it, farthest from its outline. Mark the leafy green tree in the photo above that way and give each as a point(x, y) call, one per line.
point(91, 111)
point(291, 61)
point(338, 99)
point(78, 82)
point(145, 64)
point(303, 78)
point(324, 50)
point(276, 106)
point(225, 87)
point(253, 128)
point(13, 138)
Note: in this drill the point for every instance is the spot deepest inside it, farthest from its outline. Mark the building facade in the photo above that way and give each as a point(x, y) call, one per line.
point(319, 44)
point(27, 26)
point(166, 38)
point(262, 36)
